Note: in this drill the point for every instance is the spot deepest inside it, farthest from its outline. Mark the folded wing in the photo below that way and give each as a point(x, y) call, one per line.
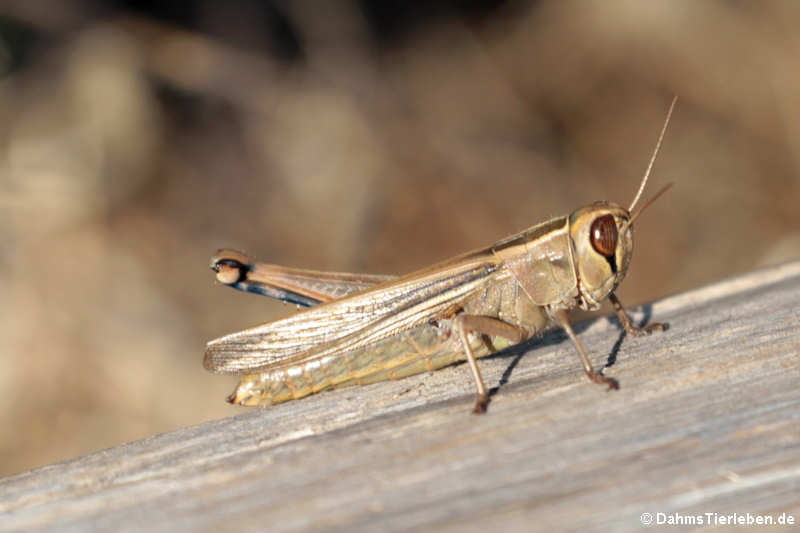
point(355, 321)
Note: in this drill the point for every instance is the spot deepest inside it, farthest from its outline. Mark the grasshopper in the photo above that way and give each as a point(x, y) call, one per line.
point(362, 328)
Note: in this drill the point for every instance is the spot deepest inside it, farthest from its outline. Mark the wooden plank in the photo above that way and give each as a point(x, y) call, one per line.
point(706, 421)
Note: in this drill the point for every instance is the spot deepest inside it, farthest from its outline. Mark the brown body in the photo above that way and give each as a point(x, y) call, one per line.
point(404, 326)
point(362, 328)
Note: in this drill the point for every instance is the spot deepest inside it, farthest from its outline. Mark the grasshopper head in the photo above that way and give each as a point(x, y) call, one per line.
point(602, 238)
point(602, 241)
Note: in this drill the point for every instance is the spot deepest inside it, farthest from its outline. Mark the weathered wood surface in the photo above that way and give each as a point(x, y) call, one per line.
point(707, 421)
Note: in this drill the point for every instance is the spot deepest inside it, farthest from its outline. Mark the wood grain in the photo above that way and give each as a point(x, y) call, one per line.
point(706, 421)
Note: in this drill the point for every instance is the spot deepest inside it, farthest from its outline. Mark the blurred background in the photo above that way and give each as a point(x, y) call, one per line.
point(376, 136)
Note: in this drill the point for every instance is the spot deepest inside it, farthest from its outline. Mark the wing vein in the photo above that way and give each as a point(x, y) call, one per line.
point(349, 323)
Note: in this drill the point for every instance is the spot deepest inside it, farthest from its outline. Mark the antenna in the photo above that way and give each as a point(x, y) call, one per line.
point(655, 153)
point(647, 204)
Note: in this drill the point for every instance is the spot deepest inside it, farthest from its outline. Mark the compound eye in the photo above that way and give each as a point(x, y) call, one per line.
point(604, 235)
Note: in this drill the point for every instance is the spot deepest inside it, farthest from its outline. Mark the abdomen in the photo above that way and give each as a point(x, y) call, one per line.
point(420, 349)
point(417, 350)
